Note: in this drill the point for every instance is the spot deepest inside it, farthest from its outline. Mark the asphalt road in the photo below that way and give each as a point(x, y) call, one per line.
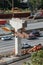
point(6, 46)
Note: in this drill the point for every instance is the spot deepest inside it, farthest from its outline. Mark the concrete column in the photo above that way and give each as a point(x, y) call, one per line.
point(17, 45)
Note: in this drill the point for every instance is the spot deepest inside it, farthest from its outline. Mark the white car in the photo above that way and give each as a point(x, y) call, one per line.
point(24, 46)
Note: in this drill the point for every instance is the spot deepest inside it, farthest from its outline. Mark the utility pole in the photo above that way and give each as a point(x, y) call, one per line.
point(12, 5)
point(12, 8)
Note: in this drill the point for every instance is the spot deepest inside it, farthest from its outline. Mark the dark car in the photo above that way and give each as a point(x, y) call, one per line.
point(6, 38)
point(36, 33)
point(32, 37)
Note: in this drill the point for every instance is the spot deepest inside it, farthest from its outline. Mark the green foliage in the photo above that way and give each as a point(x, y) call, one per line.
point(36, 3)
point(40, 54)
point(42, 3)
point(26, 63)
point(34, 54)
point(37, 58)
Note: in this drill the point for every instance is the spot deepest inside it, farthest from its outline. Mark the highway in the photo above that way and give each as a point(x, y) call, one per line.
point(6, 46)
point(34, 26)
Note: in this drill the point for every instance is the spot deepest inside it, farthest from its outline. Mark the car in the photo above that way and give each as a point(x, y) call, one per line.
point(36, 33)
point(25, 46)
point(31, 36)
point(6, 38)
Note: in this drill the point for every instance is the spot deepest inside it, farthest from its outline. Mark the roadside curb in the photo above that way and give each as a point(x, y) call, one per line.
point(15, 59)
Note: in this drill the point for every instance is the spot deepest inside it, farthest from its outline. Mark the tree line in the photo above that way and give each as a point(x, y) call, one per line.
point(32, 4)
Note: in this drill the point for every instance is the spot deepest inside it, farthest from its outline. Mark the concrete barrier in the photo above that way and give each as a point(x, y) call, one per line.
point(34, 25)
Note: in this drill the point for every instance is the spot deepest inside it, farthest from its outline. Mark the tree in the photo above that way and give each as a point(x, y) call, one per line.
point(37, 58)
point(40, 54)
point(35, 3)
point(42, 3)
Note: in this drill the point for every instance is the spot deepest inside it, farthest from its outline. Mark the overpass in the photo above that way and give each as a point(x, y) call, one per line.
point(36, 25)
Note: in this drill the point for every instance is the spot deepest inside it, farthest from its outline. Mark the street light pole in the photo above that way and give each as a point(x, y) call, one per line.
point(12, 7)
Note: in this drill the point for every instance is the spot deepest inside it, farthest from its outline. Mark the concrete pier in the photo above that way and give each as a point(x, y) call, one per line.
point(17, 45)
